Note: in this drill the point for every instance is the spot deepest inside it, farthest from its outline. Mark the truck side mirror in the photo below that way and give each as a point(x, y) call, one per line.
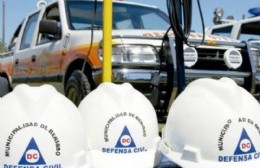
point(50, 27)
point(11, 46)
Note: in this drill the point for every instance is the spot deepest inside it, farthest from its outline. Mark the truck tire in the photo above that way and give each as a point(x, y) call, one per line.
point(4, 86)
point(77, 87)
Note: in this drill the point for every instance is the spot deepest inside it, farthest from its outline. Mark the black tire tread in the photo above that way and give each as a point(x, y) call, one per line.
point(4, 86)
point(80, 82)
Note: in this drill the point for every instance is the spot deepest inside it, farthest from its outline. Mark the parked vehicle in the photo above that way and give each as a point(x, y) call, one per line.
point(247, 30)
point(52, 43)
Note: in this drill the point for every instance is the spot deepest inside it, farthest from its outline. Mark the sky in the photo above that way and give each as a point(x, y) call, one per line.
point(16, 10)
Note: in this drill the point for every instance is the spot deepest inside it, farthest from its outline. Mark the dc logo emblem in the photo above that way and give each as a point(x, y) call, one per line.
point(245, 145)
point(32, 156)
point(126, 140)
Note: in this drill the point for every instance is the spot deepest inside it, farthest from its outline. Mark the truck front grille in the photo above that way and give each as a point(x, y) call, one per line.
point(211, 59)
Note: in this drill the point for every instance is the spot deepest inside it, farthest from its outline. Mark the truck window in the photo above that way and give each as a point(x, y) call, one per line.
point(28, 31)
point(125, 16)
point(150, 25)
point(14, 37)
point(250, 31)
point(223, 31)
point(51, 13)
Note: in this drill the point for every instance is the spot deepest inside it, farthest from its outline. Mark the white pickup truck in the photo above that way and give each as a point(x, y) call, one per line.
point(51, 44)
point(247, 30)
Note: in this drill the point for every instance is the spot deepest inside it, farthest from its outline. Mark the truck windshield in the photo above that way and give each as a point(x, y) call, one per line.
point(250, 31)
point(125, 16)
point(223, 31)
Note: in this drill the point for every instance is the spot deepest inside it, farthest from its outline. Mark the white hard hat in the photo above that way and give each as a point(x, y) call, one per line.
point(40, 127)
point(121, 126)
point(213, 124)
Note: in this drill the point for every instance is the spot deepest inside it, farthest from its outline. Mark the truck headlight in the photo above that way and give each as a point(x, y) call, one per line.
point(144, 54)
point(190, 56)
point(141, 54)
point(233, 58)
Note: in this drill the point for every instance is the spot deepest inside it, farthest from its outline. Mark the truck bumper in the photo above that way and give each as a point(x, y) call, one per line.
point(141, 79)
point(147, 76)
point(238, 77)
point(125, 75)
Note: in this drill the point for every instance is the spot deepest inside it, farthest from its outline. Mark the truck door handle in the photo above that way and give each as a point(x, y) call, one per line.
point(33, 58)
point(16, 61)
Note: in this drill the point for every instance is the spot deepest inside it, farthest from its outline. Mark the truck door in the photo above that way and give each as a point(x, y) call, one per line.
point(47, 51)
point(22, 58)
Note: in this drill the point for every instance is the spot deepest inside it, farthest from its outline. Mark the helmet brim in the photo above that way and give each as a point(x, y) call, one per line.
point(176, 157)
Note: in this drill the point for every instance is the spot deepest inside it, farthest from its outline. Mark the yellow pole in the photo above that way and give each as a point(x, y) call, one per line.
point(107, 40)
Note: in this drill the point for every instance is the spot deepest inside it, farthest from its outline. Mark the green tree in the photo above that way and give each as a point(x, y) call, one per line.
point(1, 46)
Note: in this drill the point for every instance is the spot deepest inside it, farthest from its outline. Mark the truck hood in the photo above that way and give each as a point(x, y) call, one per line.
point(160, 33)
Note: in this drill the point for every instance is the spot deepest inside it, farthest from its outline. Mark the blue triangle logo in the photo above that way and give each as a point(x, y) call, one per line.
point(245, 145)
point(32, 155)
point(125, 140)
